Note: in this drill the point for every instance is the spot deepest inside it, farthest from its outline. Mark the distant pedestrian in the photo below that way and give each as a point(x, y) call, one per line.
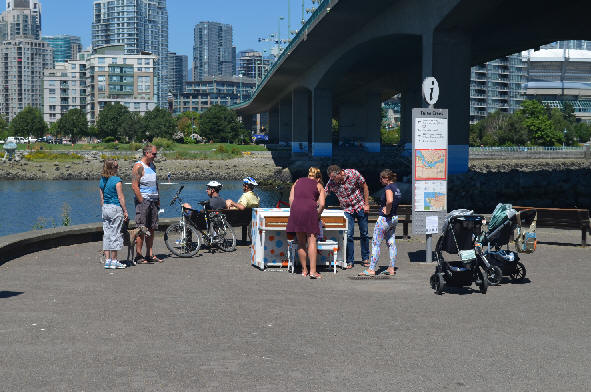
point(351, 189)
point(114, 212)
point(385, 227)
point(147, 202)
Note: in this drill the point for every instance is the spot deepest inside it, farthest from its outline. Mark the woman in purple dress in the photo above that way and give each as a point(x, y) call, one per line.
point(306, 201)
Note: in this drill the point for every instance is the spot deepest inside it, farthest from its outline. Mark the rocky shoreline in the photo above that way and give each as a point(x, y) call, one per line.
point(540, 182)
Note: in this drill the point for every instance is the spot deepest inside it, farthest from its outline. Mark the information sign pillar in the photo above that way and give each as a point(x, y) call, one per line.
point(429, 166)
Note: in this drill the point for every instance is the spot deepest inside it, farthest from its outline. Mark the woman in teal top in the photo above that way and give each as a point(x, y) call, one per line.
point(114, 212)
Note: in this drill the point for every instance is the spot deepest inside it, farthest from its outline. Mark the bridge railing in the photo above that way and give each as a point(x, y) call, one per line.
point(286, 52)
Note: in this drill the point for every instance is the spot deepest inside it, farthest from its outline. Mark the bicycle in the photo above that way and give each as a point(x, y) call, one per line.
point(184, 239)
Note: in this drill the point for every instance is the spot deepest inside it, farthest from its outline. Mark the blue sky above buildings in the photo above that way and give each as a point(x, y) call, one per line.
point(250, 19)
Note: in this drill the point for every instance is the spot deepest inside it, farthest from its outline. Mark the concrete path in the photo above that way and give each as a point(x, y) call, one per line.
point(214, 323)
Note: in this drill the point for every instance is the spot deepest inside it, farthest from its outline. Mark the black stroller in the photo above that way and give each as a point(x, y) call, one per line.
point(459, 232)
point(506, 261)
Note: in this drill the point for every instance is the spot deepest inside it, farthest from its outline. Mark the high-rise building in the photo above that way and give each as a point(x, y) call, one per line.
point(252, 64)
point(23, 57)
point(178, 72)
point(65, 47)
point(213, 53)
point(139, 25)
point(22, 19)
point(64, 88)
point(497, 85)
point(114, 76)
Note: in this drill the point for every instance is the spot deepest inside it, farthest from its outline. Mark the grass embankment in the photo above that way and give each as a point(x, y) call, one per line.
point(213, 151)
point(42, 156)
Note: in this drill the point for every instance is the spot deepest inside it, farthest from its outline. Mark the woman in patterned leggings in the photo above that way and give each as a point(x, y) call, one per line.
point(386, 224)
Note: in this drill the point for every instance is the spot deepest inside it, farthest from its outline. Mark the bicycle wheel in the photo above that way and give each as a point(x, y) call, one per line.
point(225, 238)
point(186, 245)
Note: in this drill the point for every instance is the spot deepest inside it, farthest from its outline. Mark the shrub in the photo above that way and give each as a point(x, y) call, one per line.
point(109, 139)
point(135, 146)
point(162, 143)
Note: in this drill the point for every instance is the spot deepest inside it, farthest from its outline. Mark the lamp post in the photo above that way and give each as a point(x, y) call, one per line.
point(240, 88)
point(564, 139)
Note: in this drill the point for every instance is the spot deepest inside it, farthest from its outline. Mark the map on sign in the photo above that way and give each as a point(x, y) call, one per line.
point(430, 196)
point(430, 164)
point(434, 201)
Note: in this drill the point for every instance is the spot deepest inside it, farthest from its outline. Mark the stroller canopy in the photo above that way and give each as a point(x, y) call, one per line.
point(501, 214)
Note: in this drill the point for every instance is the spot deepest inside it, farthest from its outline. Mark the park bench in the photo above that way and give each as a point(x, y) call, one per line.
point(404, 216)
point(563, 218)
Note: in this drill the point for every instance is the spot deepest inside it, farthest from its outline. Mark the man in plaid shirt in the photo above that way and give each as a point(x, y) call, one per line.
point(351, 189)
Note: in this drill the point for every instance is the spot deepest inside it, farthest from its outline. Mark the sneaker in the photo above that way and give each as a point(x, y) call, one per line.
point(108, 264)
point(116, 264)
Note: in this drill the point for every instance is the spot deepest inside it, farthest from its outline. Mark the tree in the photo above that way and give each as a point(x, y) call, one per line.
point(28, 121)
point(220, 124)
point(3, 128)
point(73, 123)
point(110, 119)
point(188, 123)
point(159, 123)
point(540, 128)
point(133, 127)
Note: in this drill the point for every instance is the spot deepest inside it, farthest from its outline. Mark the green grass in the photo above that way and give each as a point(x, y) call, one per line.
point(135, 146)
point(53, 157)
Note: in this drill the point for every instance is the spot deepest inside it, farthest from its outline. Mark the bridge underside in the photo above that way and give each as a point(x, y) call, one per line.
point(361, 53)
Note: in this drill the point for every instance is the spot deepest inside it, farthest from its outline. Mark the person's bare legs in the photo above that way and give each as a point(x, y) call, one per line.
point(150, 244)
point(139, 243)
point(312, 254)
point(107, 254)
point(301, 238)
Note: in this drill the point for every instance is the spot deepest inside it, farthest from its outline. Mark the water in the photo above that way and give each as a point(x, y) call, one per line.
point(24, 204)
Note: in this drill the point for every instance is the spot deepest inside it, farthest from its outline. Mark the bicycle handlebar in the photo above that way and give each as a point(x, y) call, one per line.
point(177, 195)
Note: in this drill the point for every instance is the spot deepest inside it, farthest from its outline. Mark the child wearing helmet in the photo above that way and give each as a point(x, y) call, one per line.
point(248, 198)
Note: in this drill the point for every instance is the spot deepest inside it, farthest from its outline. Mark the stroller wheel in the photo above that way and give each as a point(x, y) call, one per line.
point(482, 280)
point(495, 275)
point(439, 283)
point(518, 274)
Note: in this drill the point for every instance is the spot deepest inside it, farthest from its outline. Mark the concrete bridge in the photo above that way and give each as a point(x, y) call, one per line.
point(352, 55)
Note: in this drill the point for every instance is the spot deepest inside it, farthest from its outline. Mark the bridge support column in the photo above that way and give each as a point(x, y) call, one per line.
point(285, 120)
point(300, 126)
point(322, 123)
point(411, 98)
point(451, 68)
point(372, 138)
point(274, 124)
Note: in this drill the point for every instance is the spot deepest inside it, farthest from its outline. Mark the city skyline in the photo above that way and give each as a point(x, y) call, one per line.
point(183, 16)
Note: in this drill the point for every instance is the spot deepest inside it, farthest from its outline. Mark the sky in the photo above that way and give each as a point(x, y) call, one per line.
point(250, 19)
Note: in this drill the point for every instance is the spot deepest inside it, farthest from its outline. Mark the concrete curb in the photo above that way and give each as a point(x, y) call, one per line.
point(17, 245)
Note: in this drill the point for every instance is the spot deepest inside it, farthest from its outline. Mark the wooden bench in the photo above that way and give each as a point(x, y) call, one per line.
point(404, 216)
point(563, 218)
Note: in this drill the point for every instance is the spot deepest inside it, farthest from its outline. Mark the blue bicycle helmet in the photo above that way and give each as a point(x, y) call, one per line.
point(250, 181)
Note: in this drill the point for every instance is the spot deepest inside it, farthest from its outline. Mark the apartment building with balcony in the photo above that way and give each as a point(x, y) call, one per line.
point(498, 85)
point(65, 47)
point(114, 76)
point(64, 88)
point(200, 95)
point(23, 57)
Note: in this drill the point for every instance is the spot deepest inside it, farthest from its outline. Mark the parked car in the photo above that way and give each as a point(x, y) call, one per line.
point(260, 139)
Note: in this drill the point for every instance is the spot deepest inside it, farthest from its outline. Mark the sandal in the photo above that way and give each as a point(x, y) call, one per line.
point(139, 259)
point(317, 276)
point(154, 259)
point(304, 274)
point(366, 273)
point(349, 266)
point(366, 263)
point(387, 273)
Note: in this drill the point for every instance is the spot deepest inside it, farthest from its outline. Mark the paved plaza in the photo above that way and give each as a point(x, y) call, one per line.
point(214, 323)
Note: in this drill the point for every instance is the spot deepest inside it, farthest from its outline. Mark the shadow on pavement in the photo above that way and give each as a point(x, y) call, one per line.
point(420, 256)
point(8, 294)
